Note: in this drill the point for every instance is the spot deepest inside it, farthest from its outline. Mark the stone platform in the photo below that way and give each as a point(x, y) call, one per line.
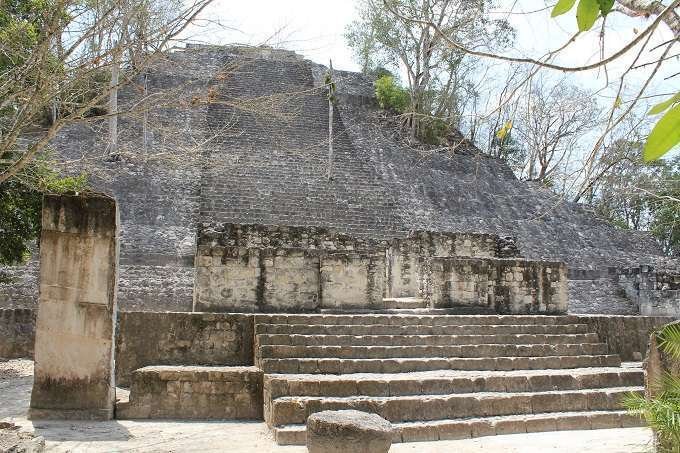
point(194, 392)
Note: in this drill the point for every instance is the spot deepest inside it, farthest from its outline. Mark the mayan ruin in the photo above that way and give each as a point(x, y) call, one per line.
point(264, 260)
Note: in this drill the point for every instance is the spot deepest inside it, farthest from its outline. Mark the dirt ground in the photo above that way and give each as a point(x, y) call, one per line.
point(16, 379)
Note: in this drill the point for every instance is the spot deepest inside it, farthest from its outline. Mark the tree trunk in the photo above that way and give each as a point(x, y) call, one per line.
point(329, 170)
point(113, 105)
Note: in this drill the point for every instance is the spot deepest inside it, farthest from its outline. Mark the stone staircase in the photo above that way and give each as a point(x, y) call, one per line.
point(441, 377)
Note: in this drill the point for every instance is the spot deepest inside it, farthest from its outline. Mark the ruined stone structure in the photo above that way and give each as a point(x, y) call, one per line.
point(407, 285)
point(248, 132)
point(432, 376)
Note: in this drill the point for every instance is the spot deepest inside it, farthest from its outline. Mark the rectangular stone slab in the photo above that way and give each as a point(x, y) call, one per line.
point(77, 309)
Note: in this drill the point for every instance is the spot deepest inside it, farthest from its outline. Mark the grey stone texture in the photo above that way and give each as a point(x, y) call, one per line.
point(511, 286)
point(75, 327)
point(648, 290)
point(194, 392)
point(442, 377)
point(406, 257)
point(348, 430)
point(17, 332)
point(145, 338)
point(278, 269)
point(627, 336)
point(239, 135)
point(255, 268)
point(14, 440)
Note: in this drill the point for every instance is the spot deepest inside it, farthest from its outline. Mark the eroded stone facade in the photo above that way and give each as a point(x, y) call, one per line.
point(181, 338)
point(255, 268)
point(497, 285)
point(207, 160)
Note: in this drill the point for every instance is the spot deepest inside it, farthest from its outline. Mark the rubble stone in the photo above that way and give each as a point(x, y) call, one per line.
point(348, 431)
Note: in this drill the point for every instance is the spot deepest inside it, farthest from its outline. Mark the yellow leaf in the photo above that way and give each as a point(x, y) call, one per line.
point(618, 102)
point(503, 131)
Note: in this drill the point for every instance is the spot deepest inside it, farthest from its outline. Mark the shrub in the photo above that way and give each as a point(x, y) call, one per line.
point(390, 95)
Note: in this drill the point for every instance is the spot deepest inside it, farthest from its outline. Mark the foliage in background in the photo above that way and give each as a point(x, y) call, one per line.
point(640, 196)
point(662, 411)
point(61, 62)
point(437, 78)
point(666, 133)
point(21, 205)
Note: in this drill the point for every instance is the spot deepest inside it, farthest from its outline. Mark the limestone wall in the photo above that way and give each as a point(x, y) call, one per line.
point(406, 257)
point(256, 268)
point(194, 392)
point(17, 332)
point(658, 291)
point(352, 279)
point(291, 279)
point(498, 285)
point(145, 338)
point(627, 336)
point(648, 290)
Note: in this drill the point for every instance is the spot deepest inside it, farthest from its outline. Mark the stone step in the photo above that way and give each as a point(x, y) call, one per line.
point(404, 320)
point(423, 340)
point(296, 409)
point(193, 392)
point(464, 351)
point(419, 329)
point(449, 381)
point(403, 365)
point(486, 426)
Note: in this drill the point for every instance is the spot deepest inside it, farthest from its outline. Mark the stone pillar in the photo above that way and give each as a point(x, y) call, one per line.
point(77, 309)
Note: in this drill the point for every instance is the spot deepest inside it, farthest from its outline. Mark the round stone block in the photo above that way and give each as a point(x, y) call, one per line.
point(348, 431)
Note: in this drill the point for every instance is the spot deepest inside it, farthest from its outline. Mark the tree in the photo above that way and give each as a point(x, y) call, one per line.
point(550, 124)
point(435, 73)
point(665, 209)
point(666, 134)
point(21, 207)
point(640, 196)
point(61, 62)
point(71, 44)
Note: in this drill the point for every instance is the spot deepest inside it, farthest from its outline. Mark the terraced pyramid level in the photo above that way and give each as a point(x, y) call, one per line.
point(441, 377)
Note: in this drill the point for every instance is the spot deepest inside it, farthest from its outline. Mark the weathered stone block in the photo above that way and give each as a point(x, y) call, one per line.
point(181, 338)
point(77, 309)
point(348, 430)
point(202, 393)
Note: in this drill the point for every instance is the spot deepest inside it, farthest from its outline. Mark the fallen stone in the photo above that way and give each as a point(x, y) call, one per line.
point(348, 431)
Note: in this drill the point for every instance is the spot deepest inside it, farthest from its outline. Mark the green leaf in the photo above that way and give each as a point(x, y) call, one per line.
point(664, 136)
point(586, 14)
point(606, 6)
point(563, 6)
point(661, 107)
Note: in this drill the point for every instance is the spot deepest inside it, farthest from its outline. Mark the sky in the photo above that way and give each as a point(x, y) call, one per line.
point(315, 29)
point(311, 27)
